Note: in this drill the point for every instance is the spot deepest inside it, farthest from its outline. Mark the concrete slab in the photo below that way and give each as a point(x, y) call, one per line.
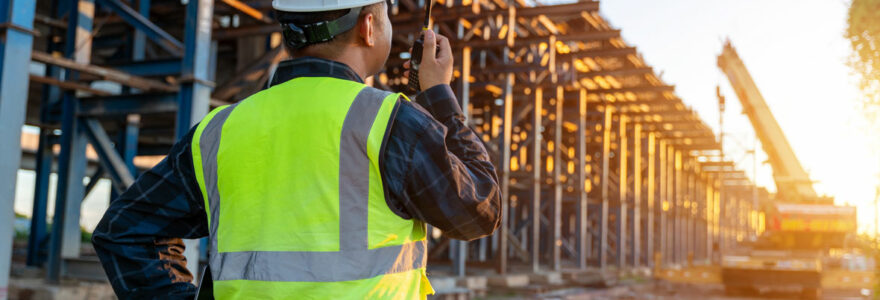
point(443, 283)
point(591, 277)
point(509, 280)
point(473, 282)
point(547, 278)
point(26, 289)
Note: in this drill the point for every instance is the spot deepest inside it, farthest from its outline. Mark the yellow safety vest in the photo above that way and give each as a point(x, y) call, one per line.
point(294, 196)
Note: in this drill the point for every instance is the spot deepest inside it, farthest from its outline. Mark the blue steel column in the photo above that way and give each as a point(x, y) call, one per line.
point(38, 231)
point(140, 39)
point(195, 92)
point(16, 25)
point(50, 98)
point(65, 237)
point(130, 142)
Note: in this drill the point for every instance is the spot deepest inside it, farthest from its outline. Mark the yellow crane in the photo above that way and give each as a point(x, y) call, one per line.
point(805, 244)
point(806, 241)
point(793, 183)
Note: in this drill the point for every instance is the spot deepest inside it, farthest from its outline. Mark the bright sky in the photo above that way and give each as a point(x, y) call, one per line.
point(796, 53)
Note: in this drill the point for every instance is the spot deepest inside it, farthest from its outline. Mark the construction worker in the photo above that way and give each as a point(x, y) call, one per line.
point(318, 187)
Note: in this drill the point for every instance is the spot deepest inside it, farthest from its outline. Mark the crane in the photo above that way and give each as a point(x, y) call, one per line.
point(793, 183)
point(800, 224)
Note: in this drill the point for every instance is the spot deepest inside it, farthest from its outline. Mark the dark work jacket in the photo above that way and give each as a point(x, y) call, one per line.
point(434, 168)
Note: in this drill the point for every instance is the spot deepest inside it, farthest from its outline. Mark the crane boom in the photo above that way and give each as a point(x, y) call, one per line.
point(792, 181)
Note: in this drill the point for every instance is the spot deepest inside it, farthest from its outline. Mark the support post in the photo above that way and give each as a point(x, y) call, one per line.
point(637, 194)
point(65, 237)
point(557, 180)
point(39, 226)
point(663, 247)
point(195, 90)
point(459, 257)
point(536, 179)
point(139, 46)
point(690, 217)
point(678, 209)
point(606, 149)
point(583, 182)
point(129, 149)
point(466, 83)
point(649, 231)
point(671, 204)
point(710, 217)
point(622, 189)
point(505, 173)
point(17, 17)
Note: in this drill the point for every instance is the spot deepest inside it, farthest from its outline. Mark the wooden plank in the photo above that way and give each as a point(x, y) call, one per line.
point(105, 73)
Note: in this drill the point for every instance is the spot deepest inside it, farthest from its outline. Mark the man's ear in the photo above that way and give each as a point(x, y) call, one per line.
point(365, 29)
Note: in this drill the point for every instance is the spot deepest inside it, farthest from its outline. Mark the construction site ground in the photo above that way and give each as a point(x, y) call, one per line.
point(28, 284)
point(655, 291)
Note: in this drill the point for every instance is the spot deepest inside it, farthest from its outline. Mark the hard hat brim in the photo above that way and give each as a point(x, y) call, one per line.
point(319, 5)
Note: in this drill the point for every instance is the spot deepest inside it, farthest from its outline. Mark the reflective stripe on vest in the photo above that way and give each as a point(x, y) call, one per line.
point(355, 259)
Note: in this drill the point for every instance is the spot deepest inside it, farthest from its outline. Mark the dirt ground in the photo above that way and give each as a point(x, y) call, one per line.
point(655, 291)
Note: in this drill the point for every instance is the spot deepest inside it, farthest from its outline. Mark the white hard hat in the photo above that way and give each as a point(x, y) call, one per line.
point(318, 5)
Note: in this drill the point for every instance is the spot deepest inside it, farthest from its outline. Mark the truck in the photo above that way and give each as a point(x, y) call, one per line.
point(808, 241)
point(805, 247)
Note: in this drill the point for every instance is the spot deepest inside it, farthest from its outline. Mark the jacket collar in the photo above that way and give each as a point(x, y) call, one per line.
point(312, 67)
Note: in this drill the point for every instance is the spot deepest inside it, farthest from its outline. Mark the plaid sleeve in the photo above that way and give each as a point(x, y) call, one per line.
point(438, 169)
point(139, 238)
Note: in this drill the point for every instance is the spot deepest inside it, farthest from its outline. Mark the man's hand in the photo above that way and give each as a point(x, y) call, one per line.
point(436, 65)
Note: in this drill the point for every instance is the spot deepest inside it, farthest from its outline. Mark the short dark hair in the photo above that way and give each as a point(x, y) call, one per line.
point(304, 18)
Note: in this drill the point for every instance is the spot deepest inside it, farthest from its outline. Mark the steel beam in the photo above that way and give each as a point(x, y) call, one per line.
point(505, 175)
point(637, 195)
point(135, 19)
point(39, 226)
point(110, 159)
point(664, 203)
point(557, 182)
point(50, 97)
point(603, 223)
point(139, 43)
point(130, 142)
point(678, 207)
point(122, 105)
point(670, 204)
point(195, 90)
point(159, 67)
point(652, 210)
point(466, 83)
point(689, 209)
point(710, 218)
point(583, 245)
point(102, 72)
point(458, 249)
point(623, 172)
point(536, 179)
point(16, 39)
point(65, 237)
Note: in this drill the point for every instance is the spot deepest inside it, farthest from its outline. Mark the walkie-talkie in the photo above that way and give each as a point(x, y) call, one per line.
point(417, 48)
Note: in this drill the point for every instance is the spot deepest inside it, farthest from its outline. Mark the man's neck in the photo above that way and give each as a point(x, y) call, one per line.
point(351, 58)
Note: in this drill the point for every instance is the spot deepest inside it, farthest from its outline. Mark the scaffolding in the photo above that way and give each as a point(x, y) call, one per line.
point(601, 164)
